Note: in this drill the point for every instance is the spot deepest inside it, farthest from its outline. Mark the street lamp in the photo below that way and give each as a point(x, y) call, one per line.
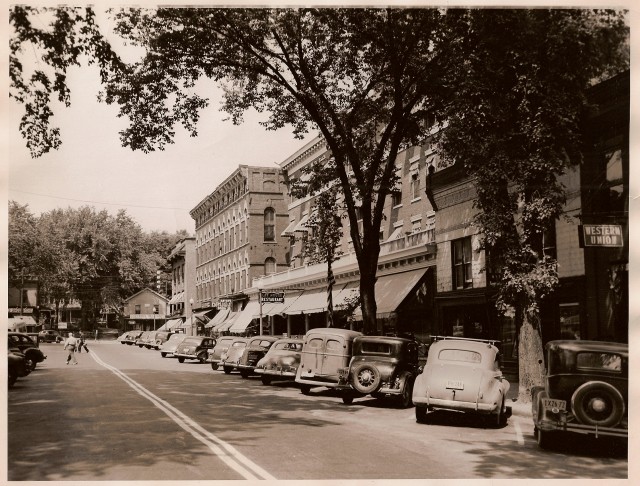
point(193, 333)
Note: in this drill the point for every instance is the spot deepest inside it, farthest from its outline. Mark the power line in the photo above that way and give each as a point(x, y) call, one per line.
point(98, 202)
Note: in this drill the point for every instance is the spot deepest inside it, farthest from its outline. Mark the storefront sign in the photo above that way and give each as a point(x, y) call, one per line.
point(607, 235)
point(272, 297)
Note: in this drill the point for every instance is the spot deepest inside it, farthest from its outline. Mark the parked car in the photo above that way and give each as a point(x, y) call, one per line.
point(194, 347)
point(161, 338)
point(17, 366)
point(131, 337)
point(169, 347)
point(50, 336)
point(214, 355)
point(586, 391)
point(29, 348)
point(281, 361)
point(150, 340)
point(256, 348)
point(463, 375)
point(141, 340)
point(230, 358)
point(381, 366)
point(325, 351)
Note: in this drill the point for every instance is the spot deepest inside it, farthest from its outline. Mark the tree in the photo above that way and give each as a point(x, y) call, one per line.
point(515, 124)
point(22, 239)
point(365, 78)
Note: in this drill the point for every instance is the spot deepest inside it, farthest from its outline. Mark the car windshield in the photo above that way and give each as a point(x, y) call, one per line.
point(239, 344)
point(289, 346)
point(463, 355)
point(260, 342)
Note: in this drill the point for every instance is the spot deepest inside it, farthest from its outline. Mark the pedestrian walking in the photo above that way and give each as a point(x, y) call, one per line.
point(70, 345)
point(96, 335)
point(81, 344)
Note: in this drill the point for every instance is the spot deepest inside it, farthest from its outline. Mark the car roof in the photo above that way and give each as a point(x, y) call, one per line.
point(578, 345)
point(384, 339)
point(470, 344)
point(334, 331)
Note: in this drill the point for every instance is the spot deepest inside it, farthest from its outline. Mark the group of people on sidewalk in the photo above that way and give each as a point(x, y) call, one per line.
point(73, 344)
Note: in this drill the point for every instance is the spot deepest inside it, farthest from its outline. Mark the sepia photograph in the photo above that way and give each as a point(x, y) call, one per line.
point(349, 243)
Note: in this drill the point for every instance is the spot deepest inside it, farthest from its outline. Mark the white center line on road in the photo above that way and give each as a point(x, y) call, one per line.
point(224, 451)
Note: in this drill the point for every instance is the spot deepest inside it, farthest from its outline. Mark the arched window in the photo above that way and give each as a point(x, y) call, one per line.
point(269, 224)
point(269, 266)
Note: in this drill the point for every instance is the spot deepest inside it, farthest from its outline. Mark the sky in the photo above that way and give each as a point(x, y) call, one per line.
point(157, 189)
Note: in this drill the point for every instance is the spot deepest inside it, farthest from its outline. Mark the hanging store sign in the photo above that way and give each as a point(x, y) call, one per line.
point(602, 235)
point(272, 297)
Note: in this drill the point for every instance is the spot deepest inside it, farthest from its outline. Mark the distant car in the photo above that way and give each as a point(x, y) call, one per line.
point(586, 391)
point(325, 352)
point(169, 347)
point(131, 337)
point(161, 338)
point(50, 336)
point(231, 357)
point(281, 361)
point(33, 355)
point(256, 348)
point(141, 340)
point(194, 347)
point(214, 355)
point(462, 375)
point(150, 340)
point(383, 367)
point(17, 366)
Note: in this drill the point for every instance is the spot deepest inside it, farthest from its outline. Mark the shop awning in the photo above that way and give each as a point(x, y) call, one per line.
point(202, 316)
point(170, 324)
point(310, 302)
point(301, 226)
point(251, 310)
point(391, 290)
point(289, 229)
point(218, 318)
point(227, 323)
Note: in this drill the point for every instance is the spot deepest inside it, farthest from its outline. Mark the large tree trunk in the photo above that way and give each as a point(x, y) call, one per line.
point(368, 303)
point(530, 357)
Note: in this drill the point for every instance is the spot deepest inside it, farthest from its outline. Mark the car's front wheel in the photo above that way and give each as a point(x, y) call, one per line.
point(347, 399)
point(407, 393)
point(163, 354)
point(266, 380)
point(244, 374)
point(214, 366)
point(226, 369)
point(29, 363)
point(305, 389)
point(180, 360)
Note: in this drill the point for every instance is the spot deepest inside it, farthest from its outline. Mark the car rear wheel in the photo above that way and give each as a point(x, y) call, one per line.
point(421, 414)
point(266, 380)
point(164, 355)
point(365, 378)
point(226, 369)
point(407, 392)
point(29, 363)
point(347, 399)
point(244, 374)
point(500, 417)
point(214, 366)
point(598, 403)
point(305, 389)
point(180, 360)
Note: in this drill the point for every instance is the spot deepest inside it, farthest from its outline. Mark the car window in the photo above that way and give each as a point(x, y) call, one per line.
point(191, 341)
point(315, 344)
point(463, 355)
point(376, 348)
point(239, 344)
point(601, 361)
point(333, 345)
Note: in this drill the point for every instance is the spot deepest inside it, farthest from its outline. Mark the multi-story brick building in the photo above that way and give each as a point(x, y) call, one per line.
point(183, 282)
point(238, 229)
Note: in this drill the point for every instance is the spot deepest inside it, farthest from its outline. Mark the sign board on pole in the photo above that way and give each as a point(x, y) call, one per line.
point(272, 297)
point(602, 235)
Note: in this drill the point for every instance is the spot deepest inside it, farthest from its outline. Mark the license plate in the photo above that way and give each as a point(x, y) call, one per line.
point(550, 404)
point(455, 385)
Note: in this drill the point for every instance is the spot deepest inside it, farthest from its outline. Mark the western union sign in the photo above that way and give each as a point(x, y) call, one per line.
point(609, 235)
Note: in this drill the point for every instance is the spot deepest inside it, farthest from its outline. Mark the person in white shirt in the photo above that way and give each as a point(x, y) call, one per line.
point(70, 345)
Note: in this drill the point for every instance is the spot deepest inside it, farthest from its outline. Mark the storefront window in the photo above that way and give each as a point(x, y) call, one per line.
point(570, 321)
point(461, 263)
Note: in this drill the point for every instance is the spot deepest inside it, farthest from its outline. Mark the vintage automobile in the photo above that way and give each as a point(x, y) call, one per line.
point(464, 375)
point(130, 337)
point(215, 354)
point(17, 366)
point(381, 366)
point(50, 336)
point(281, 361)
point(169, 347)
point(230, 358)
point(586, 391)
point(194, 347)
point(325, 351)
point(32, 353)
point(161, 338)
point(255, 349)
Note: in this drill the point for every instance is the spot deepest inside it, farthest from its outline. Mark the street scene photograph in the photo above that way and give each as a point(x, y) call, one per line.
point(329, 243)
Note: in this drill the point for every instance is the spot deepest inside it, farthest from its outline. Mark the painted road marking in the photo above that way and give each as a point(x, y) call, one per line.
point(223, 450)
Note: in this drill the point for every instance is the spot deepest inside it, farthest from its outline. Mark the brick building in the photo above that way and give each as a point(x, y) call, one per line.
point(183, 282)
point(238, 238)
